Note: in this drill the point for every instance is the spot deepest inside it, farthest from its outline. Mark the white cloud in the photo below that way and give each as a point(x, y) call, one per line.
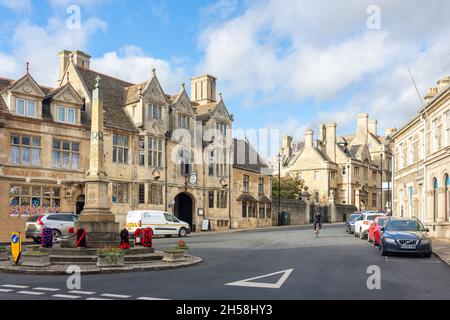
point(132, 64)
point(294, 50)
point(17, 5)
point(40, 46)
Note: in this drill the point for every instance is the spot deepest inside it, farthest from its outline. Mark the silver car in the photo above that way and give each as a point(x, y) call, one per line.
point(58, 222)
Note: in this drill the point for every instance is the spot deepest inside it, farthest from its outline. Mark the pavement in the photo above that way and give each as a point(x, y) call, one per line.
point(272, 264)
point(441, 248)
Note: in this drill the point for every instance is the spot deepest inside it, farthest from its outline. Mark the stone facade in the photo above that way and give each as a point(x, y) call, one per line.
point(162, 152)
point(348, 168)
point(422, 163)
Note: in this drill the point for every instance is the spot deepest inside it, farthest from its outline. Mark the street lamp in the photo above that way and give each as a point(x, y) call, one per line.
point(279, 184)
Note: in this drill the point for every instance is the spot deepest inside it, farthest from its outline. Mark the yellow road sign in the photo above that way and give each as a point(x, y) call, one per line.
point(16, 246)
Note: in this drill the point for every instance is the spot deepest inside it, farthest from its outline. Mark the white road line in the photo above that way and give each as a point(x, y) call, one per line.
point(148, 298)
point(97, 299)
point(115, 296)
point(65, 296)
point(6, 290)
point(46, 289)
point(82, 292)
point(251, 283)
point(14, 286)
point(31, 293)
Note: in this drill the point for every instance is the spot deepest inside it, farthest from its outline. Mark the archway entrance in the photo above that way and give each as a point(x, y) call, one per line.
point(184, 207)
point(80, 204)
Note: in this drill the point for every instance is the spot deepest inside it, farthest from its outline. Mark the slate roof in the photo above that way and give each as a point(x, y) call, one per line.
point(114, 95)
point(245, 157)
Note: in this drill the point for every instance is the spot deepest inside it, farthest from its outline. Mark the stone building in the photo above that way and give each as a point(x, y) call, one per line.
point(164, 152)
point(422, 163)
point(349, 169)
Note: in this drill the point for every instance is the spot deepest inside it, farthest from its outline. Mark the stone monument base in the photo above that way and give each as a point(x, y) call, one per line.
point(99, 234)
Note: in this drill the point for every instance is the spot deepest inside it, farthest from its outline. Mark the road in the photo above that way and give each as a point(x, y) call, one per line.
point(331, 267)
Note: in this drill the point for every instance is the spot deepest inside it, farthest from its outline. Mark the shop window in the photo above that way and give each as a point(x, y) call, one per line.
point(34, 200)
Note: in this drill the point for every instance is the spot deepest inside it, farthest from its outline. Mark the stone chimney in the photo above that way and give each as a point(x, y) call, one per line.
point(430, 94)
point(330, 145)
point(286, 146)
point(443, 83)
point(79, 58)
point(362, 127)
point(373, 127)
point(309, 136)
point(390, 132)
point(322, 133)
point(203, 89)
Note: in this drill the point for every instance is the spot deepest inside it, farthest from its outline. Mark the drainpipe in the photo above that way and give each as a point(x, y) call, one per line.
point(166, 183)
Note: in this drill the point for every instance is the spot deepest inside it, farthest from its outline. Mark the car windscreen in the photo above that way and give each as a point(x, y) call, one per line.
point(33, 219)
point(353, 217)
point(405, 225)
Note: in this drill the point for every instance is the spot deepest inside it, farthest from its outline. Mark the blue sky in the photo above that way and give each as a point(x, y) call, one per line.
point(282, 64)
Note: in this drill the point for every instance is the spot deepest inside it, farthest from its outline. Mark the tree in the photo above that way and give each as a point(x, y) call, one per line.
point(291, 187)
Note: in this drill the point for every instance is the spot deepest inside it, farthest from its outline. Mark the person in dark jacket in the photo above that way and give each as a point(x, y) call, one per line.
point(317, 220)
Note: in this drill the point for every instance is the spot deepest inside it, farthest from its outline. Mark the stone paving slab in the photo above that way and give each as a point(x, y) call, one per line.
point(441, 249)
point(9, 267)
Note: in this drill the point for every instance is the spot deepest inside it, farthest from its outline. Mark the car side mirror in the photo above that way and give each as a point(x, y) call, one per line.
point(427, 230)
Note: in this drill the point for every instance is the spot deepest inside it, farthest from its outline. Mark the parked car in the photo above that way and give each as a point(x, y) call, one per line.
point(350, 223)
point(405, 235)
point(161, 223)
point(58, 222)
point(363, 223)
point(373, 234)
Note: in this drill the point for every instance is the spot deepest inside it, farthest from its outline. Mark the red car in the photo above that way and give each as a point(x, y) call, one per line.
point(374, 230)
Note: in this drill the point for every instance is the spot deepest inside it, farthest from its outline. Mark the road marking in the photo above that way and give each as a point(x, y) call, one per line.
point(115, 296)
point(31, 293)
point(250, 283)
point(97, 299)
point(46, 289)
point(14, 286)
point(6, 290)
point(148, 298)
point(65, 296)
point(82, 292)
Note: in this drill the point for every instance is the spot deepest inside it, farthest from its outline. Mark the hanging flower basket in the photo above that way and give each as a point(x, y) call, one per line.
point(35, 259)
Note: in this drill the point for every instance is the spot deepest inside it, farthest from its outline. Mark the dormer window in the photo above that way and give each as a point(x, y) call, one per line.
point(66, 115)
point(26, 108)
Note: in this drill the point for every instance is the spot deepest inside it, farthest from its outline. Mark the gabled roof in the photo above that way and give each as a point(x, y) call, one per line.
point(243, 156)
point(113, 91)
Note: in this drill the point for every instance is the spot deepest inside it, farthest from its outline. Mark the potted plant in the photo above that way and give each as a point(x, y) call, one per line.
point(181, 244)
point(173, 255)
point(4, 254)
point(35, 259)
point(110, 257)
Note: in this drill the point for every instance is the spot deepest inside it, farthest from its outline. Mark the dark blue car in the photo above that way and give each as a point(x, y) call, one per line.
point(350, 223)
point(403, 235)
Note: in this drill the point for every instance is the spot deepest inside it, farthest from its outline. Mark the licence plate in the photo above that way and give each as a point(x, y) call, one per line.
point(31, 227)
point(409, 246)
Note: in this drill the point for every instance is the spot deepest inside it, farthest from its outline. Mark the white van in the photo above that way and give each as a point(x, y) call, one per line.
point(162, 223)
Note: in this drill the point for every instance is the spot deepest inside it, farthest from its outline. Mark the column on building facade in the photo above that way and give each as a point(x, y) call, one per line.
point(429, 204)
point(441, 205)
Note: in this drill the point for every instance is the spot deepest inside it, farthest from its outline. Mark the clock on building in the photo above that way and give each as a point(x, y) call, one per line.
point(193, 179)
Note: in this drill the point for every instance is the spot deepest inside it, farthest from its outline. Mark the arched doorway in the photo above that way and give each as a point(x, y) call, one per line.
point(80, 204)
point(184, 207)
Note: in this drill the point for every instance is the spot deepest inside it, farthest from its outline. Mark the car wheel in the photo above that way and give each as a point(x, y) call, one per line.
point(382, 251)
point(182, 232)
point(56, 235)
point(427, 255)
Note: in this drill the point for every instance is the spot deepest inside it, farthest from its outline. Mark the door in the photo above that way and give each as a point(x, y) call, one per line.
point(79, 204)
point(184, 208)
point(172, 224)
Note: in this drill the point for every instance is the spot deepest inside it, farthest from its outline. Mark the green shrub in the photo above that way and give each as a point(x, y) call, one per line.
point(111, 255)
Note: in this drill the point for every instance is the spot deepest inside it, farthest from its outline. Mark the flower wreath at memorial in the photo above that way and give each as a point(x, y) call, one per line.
point(148, 238)
point(138, 235)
